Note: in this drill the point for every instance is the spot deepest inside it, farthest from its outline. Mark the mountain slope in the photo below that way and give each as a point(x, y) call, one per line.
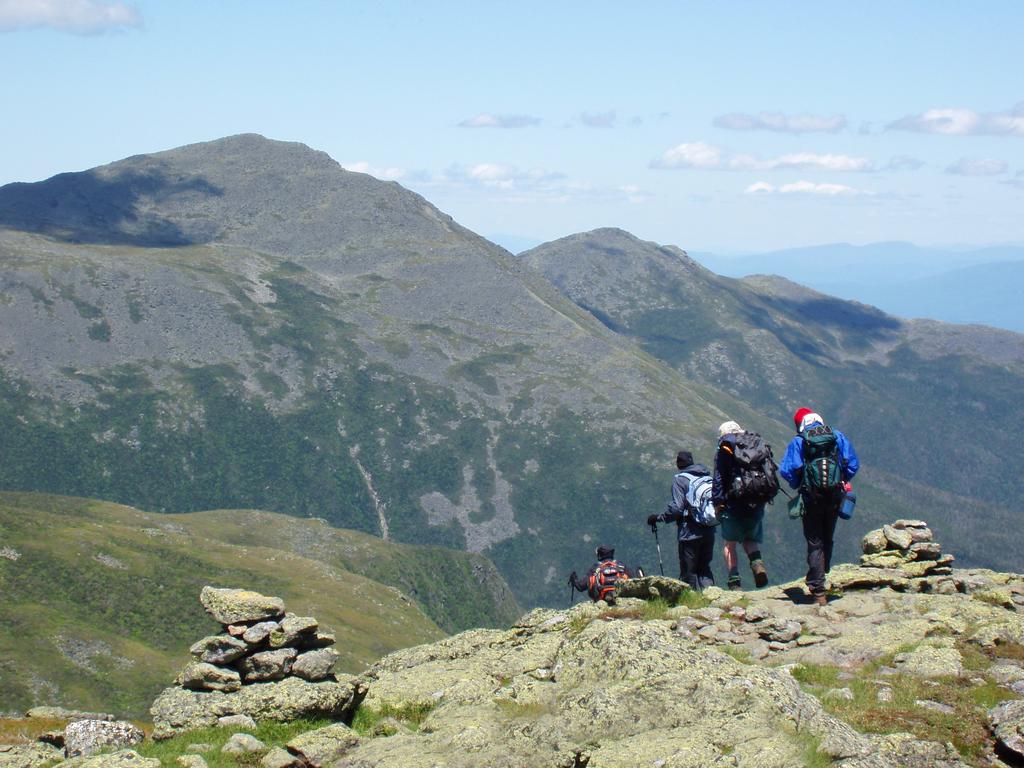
point(931, 407)
point(100, 600)
point(243, 323)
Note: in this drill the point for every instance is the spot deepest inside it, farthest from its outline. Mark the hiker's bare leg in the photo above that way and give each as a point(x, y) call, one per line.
point(729, 553)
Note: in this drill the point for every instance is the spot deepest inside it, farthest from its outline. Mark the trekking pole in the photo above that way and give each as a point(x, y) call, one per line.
point(661, 565)
point(572, 594)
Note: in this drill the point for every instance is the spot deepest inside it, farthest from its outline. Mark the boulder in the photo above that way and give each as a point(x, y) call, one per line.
point(267, 665)
point(652, 588)
point(1007, 722)
point(200, 676)
point(280, 758)
point(324, 745)
point(86, 737)
point(191, 761)
point(177, 710)
point(242, 744)
point(237, 721)
point(873, 542)
point(219, 649)
point(236, 606)
point(897, 538)
point(886, 559)
point(926, 550)
point(315, 665)
point(291, 629)
point(779, 631)
point(258, 633)
point(125, 758)
point(29, 755)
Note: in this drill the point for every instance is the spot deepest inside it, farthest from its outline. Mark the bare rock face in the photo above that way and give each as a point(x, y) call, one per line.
point(325, 745)
point(28, 755)
point(86, 737)
point(238, 606)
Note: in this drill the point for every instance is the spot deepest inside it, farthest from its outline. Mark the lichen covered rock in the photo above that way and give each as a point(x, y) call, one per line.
point(237, 606)
point(177, 710)
point(86, 737)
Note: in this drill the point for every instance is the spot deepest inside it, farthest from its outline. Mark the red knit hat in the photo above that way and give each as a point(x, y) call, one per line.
point(799, 416)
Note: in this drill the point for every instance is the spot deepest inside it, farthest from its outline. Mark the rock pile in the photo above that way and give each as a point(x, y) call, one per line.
point(266, 664)
point(908, 545)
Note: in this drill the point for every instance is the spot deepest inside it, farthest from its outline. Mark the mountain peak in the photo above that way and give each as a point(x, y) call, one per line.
point(246, 190)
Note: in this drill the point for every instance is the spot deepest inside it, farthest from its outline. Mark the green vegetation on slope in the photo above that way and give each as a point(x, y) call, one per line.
point(101, 601)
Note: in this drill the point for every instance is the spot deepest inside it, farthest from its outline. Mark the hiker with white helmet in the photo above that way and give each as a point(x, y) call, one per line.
point(820, 461)
point(744, 481)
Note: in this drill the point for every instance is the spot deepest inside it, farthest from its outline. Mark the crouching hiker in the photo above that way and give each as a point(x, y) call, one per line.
point(602, 578)
point(744, 482)
point(820, 461)
point(688, 509)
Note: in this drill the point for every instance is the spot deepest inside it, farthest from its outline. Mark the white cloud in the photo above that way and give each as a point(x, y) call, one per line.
point(964, 122)
point(696, 154)
point(802, 188)
point(488, 120)
point(598, 119)
point(388, 174)
point(979, 166)
point(780, 123)
point(701, 156)
point(80, 17)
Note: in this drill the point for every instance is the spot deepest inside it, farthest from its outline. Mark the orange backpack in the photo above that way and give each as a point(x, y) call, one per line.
point(605, 578)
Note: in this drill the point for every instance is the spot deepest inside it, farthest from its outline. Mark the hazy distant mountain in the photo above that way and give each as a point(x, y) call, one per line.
point(932, 407)
point(956, 285)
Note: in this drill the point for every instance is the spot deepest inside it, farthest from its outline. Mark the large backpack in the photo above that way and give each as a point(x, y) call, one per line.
point(698, 500)
point(605, 579)
point(822, 473)
point(754, 482)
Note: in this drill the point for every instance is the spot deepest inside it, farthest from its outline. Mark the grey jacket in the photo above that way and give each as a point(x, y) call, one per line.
point(677, 511)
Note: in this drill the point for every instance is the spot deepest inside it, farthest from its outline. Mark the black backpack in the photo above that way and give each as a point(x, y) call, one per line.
point(754, 482)
point(822, 474)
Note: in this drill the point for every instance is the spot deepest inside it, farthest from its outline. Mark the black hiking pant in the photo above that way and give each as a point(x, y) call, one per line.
point(695, 562)
point(820, 518)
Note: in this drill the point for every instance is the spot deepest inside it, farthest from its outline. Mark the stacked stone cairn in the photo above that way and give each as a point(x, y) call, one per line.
point(266, 664)
point(260, 643)
point(907, 545)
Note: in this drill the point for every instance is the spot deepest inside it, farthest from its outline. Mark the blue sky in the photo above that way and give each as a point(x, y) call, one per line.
point(728, 126)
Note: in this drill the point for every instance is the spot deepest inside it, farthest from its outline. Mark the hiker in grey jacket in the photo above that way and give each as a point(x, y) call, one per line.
point(696, 542)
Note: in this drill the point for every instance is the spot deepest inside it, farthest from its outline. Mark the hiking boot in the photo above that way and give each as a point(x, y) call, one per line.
point(760, 572)
point(821, 599)
point(734, 584)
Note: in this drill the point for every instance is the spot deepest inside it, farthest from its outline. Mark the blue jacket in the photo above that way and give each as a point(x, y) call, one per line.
point(677, 508)
point(792, 467)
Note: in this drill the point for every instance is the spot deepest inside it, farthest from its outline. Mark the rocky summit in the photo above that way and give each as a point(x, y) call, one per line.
point(267, 664)
point(907, 666)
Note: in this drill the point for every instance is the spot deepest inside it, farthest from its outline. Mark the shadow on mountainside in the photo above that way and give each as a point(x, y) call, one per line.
point(87, 207)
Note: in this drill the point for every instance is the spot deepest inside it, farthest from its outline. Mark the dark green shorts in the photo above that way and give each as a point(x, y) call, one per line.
point(743, 527)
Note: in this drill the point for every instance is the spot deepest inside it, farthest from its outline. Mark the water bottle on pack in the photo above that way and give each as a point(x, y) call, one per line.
point(849, 502)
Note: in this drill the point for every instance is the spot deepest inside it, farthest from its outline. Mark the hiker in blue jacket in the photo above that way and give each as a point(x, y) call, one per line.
point(696, 542)
point(820, 509)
